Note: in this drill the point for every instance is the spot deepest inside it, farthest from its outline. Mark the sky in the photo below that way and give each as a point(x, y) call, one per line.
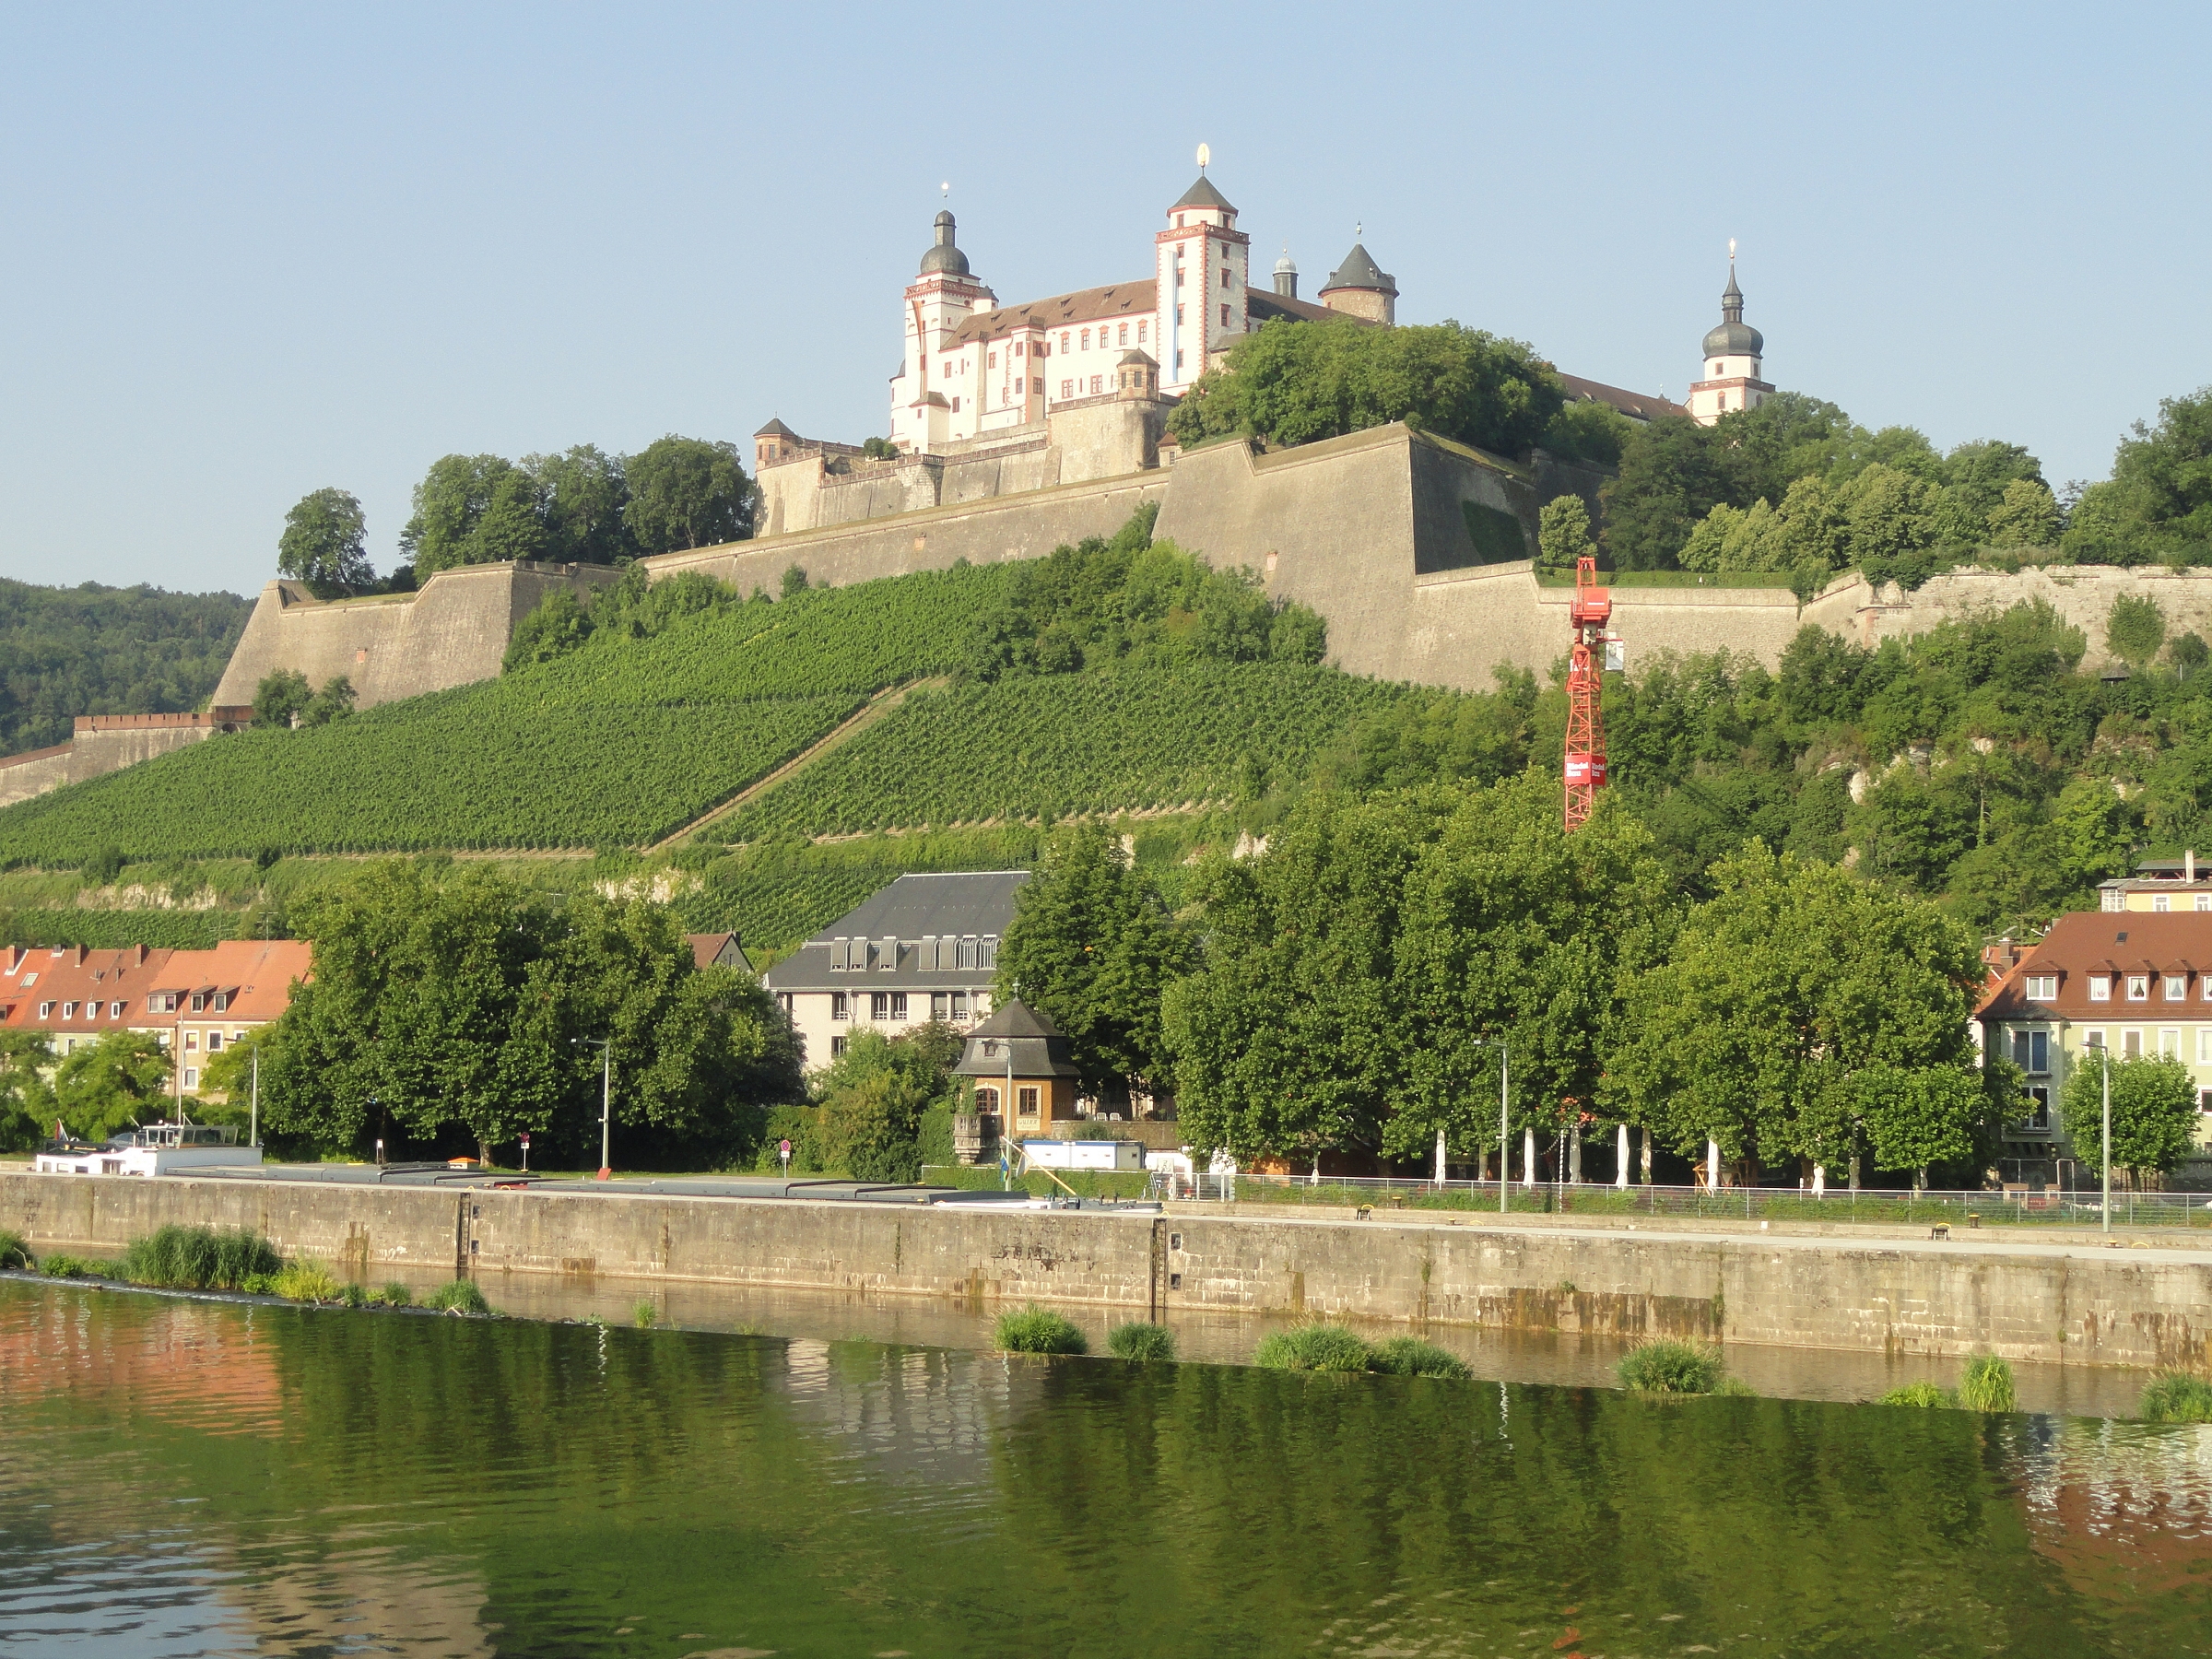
point(250, 251)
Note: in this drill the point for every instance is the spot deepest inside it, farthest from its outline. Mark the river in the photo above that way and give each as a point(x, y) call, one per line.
point(194, 1477)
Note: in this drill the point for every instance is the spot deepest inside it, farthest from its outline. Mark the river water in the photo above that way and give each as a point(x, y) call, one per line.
point(185, 1477)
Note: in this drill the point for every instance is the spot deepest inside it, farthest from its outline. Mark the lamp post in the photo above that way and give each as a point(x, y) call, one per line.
point(253, 1131)
point(606, 1093)
point(2106, 1055)
point(1505, 1055)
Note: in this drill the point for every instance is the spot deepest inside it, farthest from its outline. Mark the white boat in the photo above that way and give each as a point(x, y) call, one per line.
point(157, 1149)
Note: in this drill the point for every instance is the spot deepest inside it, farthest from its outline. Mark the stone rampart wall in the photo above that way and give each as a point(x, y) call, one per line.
point(2091, 1307)
point(92, 754)
point(451, 632)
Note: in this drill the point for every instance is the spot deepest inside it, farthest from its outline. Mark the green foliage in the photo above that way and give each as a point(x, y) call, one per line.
point(324, 544)
point(873, 1095)
point(94, 650)
point(198, 1258)
point(1920, 1395)
point(1317, 1344)
point(2176, 1397)
point(461, 1296)
point(793, 583)
point(1563, 535)
point(449, 999)
point(2154, 1111)
point(1803, 1013)
point(305, 1282)
point(1986, 1385)
point(1141, 1342)
point(108, 1086)
point(582, 507)
point(281, 695)
point(1665, 1366)
point(1588, 433)
point(334, 702)
point(473, 510)
point(1133, 601)
point(1411, 1357)
point(2135, 629)
point(396, 1295)
point(1293, 383)
point(55, 1265)
point(687, 492)
point(1358, 973)
point(1092, 944)
point(2156, 507)
point(355, 1295)
point(1035, 1330)
point(15, 1256)
point(644, 1315)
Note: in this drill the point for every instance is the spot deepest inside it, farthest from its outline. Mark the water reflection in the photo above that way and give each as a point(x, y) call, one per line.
point(184, 1480)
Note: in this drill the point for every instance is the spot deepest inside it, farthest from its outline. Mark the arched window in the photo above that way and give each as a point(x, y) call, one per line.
point(986, 1100)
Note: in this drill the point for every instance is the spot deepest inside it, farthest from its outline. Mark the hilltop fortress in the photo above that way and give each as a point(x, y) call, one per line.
point(1016, 429)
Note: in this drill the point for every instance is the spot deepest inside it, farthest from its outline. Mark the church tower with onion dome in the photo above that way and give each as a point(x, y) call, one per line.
point(1734, 355)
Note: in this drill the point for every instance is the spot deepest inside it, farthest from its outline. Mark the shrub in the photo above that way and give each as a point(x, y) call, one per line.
point(1035, 1330)
point(1735, 1388)
point(1140, 1340)
point(1665, 1366)
point(2177, 1397)
point(1987, 1385)
point(1927, 1395)
point(1411, 1357)
point(460, 1297)
point(304, 1281)
point(198, 1258)
point(1318, 1345)
point(396, 1295)
point(258, 1284)
point(15, 1253)
point(355, 1295)
point(69, 1267)
point(643, 1316)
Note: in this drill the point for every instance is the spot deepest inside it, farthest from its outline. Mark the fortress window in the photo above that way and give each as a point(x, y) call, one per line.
point(1124, 339)
point(1224, 275)
point(994, 361)
point(1097, 384)
point(1087, 339)
point(956, 405)
point(1064, 338)
point(1068, 388)
point(1140, 333)
point(1225, 316)
point(1018, 347)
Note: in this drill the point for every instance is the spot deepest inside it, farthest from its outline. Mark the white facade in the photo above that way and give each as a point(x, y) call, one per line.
point(1734, 361)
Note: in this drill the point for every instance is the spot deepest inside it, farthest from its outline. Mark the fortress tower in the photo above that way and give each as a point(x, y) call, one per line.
point(1731, 360)
point(1200, 264)
point(1359, 288)
point(926, 412)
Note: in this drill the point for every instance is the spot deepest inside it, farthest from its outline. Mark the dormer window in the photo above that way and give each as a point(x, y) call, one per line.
point(2101, 987)
point(2177, 987)
point(68, 1010)
point(2138, 987)
point(2042, 987)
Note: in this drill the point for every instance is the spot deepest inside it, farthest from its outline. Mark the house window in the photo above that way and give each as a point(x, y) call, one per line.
point(898, 1004)
point(2131, 1045)
point(2101, 987)
point(879, 1005)
point(784, 1001)
point(114, 1010)
point(2160, 902)
point(2204, 901)
point(1024, 1100)
point(2138, 987)
point(1068, 388)
point(68, 1010)
point(940, 1006)
point(2039, 1119)
point(2031, 1052)
point(2169, 1045)
point(2091, 1040)
point(989, 957)
point(960, 1004)
point(215, 1041)
point(837, 1047)
point(2177, 986)
point(2042, 987)
point(199, 1002)
point(192, 1078)
point(841, 1005)
point(986, 1100)
point(192, 1042)
point(969, 952)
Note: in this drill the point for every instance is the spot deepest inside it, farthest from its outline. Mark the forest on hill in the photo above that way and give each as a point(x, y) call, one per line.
point(94, 650)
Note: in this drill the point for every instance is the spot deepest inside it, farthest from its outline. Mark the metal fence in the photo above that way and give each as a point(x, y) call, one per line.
point(1962, 1209)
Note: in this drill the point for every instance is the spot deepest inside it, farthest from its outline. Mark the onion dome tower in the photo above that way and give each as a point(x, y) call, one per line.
point(1735, 354)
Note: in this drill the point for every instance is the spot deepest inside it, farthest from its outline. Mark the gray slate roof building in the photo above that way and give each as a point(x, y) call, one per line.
point(1734, 337)
point(1202, 194)
point(921, 933)
point(1359, 271)
point(1039, 1049)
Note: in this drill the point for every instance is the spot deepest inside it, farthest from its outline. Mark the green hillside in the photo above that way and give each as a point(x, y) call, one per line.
point(94, 650)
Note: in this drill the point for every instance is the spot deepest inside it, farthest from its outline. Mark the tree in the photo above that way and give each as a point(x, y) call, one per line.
point(450, 1000)
point(281, 695)
point(2157, 503)
point(473, 510)
point(1563, 534)
point(334, 702)
point(1589, 433)
point(2026, 515)
point(93, 650)
point(103, 1087)
point(2154, 1111)
point(1092, 944)
point(1805, 1014)
point(793, 583)
point(324, 544)
point(2135, 629)
point(26, 1097)
point(1294, 383)
point(687, 492)
point(584, 493)
point(227, 1080)
point(1673, 472)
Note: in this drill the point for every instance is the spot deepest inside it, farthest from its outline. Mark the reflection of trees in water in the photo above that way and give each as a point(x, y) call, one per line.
point(917, 1414)
point(2124, 1509)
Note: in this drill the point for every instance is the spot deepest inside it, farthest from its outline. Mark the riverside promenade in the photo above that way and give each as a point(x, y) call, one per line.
point(2072, 1299)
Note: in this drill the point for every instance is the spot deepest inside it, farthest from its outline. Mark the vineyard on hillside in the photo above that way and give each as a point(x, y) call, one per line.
point(1060, 745)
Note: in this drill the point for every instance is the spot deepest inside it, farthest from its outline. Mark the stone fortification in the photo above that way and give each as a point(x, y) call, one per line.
point(452, 631)
point(106, 743)
point(2072, 1302)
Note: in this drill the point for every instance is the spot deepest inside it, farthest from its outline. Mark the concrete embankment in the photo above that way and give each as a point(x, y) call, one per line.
point(2070, 1302)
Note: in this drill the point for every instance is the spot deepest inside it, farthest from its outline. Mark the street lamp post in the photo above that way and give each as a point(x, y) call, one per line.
point(2106, 1055)
point(1505, 1055)
point(607, 1094)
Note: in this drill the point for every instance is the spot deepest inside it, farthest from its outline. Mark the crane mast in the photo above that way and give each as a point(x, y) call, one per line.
point(1585, 771)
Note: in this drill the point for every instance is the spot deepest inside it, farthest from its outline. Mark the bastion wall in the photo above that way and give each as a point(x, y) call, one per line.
point(106, 743)
point(2082, 1306)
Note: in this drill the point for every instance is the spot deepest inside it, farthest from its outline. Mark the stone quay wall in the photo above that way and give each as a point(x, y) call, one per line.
point(2127, 1307)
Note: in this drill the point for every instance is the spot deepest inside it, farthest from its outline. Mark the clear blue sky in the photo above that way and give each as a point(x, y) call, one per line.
point(250, 251)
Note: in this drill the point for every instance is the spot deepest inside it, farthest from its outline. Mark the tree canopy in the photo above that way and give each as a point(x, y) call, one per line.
point(2154, 1111)
point(94, 650)
point(1292, 383)
point(326, 545)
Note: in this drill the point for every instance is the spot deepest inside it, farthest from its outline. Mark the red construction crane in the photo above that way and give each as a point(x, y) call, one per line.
point(1586, 714)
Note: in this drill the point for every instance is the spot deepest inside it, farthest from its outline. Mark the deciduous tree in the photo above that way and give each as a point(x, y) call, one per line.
point(2154, 1111)
point(687, 492)
point(108, 1086)
point(324, 544)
